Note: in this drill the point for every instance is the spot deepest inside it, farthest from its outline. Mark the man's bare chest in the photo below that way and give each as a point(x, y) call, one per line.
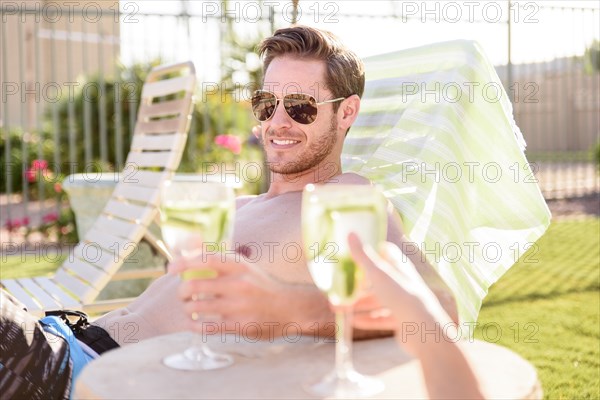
point(269, 234)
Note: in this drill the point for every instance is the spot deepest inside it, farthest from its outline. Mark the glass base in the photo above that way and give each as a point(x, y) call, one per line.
point(348, 386)
point(198, 359)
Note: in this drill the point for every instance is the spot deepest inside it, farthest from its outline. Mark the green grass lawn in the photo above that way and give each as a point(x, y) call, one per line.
point(549, 311)
point(546, 310)
point(30, 264)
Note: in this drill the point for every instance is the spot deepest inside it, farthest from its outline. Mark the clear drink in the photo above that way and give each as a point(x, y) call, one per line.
point(188, 226)
point(197, 216)
point(331, 266)
point(329, 214)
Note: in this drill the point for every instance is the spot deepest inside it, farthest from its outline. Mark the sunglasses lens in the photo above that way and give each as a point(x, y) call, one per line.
point(263, 105)
point(302, 108)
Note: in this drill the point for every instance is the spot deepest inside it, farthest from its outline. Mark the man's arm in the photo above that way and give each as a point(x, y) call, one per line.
point(157, 311)
point(245, 299)
point(446, 368)
point(427, 272)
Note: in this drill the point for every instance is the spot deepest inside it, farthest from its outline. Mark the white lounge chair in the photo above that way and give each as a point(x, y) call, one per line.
point(158, 141)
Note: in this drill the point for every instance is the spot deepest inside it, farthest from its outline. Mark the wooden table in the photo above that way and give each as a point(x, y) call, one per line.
point(279, 370)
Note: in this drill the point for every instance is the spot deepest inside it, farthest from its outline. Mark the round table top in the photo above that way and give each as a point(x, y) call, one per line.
point(280, 369)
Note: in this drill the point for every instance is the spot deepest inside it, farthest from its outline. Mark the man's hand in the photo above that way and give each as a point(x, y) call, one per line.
point(369, 314)
point(397, 283)
point(400, 287)
point(244, 299)
point(371, 320)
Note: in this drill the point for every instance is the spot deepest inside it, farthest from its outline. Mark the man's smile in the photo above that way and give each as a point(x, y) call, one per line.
point(283, 143)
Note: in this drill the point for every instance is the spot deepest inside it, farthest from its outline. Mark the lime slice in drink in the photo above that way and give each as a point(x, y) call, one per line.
point(191, 274)
point(346, 278)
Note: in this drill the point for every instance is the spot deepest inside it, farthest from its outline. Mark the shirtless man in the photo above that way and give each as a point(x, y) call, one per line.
point(266, 285)
point(272, 286)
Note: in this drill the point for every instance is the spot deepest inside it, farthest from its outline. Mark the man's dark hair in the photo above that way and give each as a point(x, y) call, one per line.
point(345, 72)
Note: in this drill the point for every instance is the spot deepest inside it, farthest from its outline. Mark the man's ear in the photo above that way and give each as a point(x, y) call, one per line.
point(348, 112)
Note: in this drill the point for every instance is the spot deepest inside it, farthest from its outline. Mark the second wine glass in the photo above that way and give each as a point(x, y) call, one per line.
point(329, 214)
point(196, 215)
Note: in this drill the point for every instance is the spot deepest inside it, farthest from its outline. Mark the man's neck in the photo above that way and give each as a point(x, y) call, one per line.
point(285, 183)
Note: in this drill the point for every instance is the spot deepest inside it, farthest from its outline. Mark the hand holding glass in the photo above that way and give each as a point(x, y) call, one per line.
point(196, 214)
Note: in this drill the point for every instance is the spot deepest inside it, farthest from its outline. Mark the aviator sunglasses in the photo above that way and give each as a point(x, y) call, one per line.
point(301, 107)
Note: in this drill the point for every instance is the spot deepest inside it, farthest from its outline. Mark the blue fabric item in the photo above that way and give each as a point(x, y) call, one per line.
point(79, 358)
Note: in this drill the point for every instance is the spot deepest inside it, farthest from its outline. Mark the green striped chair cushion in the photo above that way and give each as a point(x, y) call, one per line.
point(436, 131)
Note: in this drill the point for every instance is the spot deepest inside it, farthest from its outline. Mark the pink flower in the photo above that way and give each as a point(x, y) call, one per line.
point(12, 224)
point(50, 217)
point(31, 175)
point(39, 165)
point(229, 142)
point(16, 223)
point(58, 187)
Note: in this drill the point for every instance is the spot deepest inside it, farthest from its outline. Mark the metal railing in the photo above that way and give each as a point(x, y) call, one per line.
point(70, 78)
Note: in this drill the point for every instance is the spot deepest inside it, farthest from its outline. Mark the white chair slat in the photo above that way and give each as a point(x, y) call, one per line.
point(17, 290)
point(182, 68)
point(92, 253)
point(144, 178)
point(47, 302)
point(161, 159)
point(168, 86)
point(159, 126)
point(57, 292)
point(138, 193)
point(118, 246)
point(158, 142)
point(96, 276)
point(132, 212)
point(118, 227)
point(162, 125)
point(82, 291)
point(171, 107)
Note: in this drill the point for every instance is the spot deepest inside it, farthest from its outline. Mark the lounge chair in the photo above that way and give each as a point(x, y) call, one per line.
point(157, 145)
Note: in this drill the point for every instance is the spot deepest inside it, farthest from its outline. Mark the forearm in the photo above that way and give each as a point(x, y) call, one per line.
point(446, 369)
point(410, 250)
point(125, 327)
point(444, 295)
point(447, 372)
point(437, 285)
point(157, 311)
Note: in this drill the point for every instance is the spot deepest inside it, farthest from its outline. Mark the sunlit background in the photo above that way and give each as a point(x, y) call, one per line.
point(71, 73)
point(541, 31)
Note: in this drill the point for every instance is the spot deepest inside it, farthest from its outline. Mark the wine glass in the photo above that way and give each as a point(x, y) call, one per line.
point(329, 214)
point(196, 214)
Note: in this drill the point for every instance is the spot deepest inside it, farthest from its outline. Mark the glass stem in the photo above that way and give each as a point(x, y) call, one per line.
point(198, 348)
point(343, 347)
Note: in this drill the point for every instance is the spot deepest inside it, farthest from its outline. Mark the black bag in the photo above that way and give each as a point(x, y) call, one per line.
point(95, 337)
point(33, 364)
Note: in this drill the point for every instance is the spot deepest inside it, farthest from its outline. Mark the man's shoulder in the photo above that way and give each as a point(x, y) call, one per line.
point(349, 178)
point(241, 201)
